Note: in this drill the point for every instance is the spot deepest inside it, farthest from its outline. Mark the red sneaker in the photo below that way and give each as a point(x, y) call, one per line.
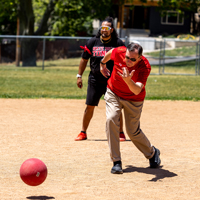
point(122, 137)
point(81, 136)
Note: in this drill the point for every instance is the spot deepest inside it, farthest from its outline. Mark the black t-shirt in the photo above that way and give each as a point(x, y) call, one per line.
point(98, 50)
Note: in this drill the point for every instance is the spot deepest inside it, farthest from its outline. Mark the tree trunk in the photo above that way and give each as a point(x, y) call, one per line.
point(29, 52)
point(28, 46)
point(27, 28)
point(193, 24)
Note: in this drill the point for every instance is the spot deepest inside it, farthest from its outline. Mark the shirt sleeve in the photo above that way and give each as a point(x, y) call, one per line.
point(89, 45)
point(113, 54)
point(144, 73)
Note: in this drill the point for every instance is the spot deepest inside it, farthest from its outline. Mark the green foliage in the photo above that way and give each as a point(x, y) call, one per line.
point(8, 17)
point(74, 18)
point(69, 18)
point(39, 7)
point(179, 5)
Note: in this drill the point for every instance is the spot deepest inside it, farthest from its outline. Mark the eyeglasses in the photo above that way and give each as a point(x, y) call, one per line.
point(105, 28)
point(132, 59)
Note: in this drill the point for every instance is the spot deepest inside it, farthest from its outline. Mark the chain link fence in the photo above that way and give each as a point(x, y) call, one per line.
point(166, 56)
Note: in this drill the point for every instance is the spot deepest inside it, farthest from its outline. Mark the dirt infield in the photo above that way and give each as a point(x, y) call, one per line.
point(46, 128)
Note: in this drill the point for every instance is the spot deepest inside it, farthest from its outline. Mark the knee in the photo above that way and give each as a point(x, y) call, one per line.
point(135, 132)
point(113, 119)
point(89, 108)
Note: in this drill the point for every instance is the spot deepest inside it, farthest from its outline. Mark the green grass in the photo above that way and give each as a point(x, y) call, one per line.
point(183, 51)
point(186, 67)
point(173, 87)
point(59, 81)
point(60, 62)
point(33, 82)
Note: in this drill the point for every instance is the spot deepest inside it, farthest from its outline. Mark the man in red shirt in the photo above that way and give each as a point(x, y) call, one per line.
point(126, 90)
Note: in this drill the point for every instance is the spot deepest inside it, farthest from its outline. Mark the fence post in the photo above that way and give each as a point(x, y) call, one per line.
point(18, 46)
point(198, 68)
point(43, 55)
point(126, 41)
point(160, 55)
point(163, 56)
point(197, 58)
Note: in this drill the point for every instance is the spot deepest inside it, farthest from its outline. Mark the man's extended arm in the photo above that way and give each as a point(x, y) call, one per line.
point(104, 70)
point(126, 76)
point(82, 66)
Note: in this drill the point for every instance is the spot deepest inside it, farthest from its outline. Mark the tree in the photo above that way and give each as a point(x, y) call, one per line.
point(74, 17)
point(8, 17)
point(27, 21)
point(49, 17)
point(68, 17)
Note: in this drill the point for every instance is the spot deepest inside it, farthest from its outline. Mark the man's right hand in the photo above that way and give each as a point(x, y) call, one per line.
point(104, 70)
point(79, 82)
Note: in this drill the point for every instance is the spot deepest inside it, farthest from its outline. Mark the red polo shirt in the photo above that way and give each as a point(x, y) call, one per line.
point(117, 84)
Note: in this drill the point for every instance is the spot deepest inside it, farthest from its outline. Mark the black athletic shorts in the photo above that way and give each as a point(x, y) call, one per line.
point(95, 90)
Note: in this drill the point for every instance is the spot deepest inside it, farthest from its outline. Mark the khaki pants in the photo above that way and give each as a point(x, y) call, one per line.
point(132, 113)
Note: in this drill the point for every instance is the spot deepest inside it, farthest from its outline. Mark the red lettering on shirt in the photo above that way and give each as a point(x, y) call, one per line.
point(100, 51)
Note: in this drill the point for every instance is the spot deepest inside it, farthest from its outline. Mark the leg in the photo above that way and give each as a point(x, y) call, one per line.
point(87, 116)
point(113, 111)
point(121, 124)
point(94, 93)
point(121, 132)
point(132, 112)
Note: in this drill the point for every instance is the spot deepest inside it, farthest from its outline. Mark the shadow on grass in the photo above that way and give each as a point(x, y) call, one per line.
point(40, 197)
point(158, 172)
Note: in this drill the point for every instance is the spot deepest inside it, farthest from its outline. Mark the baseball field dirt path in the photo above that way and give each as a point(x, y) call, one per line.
point(46, 128)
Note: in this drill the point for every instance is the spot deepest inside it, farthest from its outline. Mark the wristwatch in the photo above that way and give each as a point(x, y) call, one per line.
point(78, 76)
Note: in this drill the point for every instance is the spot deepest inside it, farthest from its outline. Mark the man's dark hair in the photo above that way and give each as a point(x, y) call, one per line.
point(114, 33)
point(133, 46)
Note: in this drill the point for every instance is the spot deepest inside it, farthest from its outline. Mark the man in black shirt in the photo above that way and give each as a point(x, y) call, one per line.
point(95, 49)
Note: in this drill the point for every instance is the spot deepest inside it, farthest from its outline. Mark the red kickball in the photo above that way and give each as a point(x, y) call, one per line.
point(33, 172)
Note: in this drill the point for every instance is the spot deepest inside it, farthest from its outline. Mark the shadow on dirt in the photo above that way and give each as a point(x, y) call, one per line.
point(40, 197)
point(99, 140)
point(159, 172)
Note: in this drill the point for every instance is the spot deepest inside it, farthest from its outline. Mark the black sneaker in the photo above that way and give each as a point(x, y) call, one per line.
point(155, 160)
point(117, 168)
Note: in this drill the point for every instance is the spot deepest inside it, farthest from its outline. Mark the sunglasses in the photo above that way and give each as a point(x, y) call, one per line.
point(105, 28)
point(132, 59)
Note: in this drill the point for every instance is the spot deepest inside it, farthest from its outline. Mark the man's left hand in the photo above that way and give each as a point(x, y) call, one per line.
point(126, 75)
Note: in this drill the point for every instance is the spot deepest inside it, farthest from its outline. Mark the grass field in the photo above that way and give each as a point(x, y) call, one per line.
point(59, 81)
point(183, 51)
point(186, 67)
